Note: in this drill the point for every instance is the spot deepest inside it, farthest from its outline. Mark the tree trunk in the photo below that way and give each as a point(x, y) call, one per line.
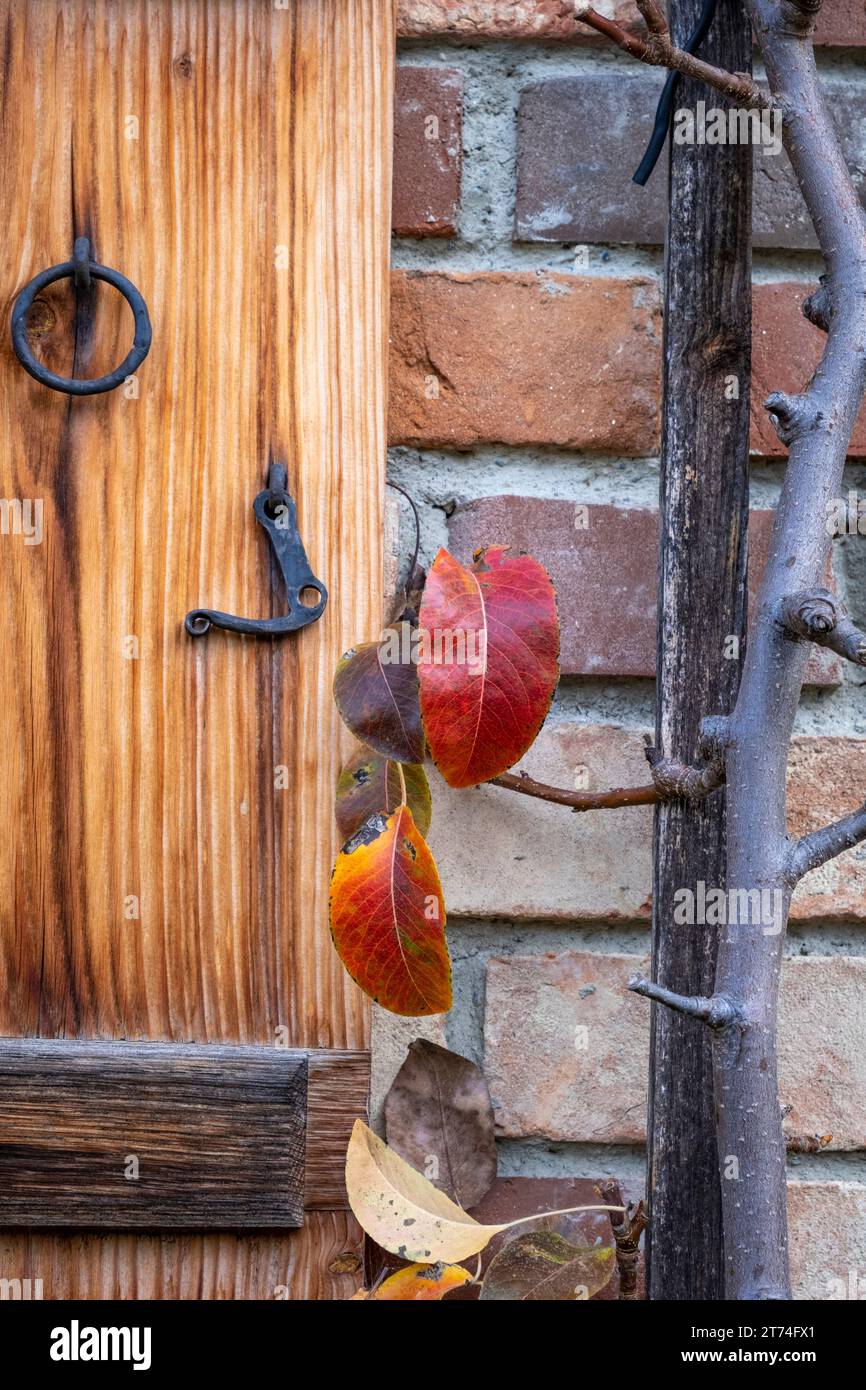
point(750, 747)
point(701, 641)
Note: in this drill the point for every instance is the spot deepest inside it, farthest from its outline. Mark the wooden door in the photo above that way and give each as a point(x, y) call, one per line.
point(166, 801)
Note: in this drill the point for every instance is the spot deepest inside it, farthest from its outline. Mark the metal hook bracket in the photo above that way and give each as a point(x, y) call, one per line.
point(276, 513)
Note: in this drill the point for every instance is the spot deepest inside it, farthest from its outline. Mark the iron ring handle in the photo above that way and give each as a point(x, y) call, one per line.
point(82, 269)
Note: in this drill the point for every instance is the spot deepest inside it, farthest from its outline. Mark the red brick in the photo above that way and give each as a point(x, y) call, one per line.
point(605, 576)
point(579, 140)
point(785, 352)
point(525, 359)
point(564, 361)
point(826, 778)
point(539, 862)
point(428, 106)
point(584, 1077)
point(841, 23)
point(504, 855)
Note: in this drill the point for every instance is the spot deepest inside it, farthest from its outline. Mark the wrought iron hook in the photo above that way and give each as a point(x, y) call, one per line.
point(275, 511)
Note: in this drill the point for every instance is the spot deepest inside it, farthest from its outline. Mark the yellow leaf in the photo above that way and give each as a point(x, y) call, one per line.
point(406, 1214)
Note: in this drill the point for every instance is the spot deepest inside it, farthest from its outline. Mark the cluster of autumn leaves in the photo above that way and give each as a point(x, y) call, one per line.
point(473, 693)
point(439, 1118)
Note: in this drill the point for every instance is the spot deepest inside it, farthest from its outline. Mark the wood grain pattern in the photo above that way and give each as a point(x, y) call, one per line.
point(321, 1261)
point(702, 601)
point(218, 1132)
point(149, 1135)
point(338, 1088)
point(233, 160)
point(250, 205)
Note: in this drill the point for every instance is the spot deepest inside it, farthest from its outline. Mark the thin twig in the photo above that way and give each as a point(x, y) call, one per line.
point(627, 1232)
point(417, 550)
point(656, 49)
point(578, 801)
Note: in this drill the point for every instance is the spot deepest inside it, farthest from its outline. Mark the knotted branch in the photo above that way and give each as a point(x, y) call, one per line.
point(670, 778)
point(656, 49)
point(716, 1010)
point(673, 778)
point(627, 1226)
point(818, 616)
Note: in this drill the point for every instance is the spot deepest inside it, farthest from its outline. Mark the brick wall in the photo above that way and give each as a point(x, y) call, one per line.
point(526, 337)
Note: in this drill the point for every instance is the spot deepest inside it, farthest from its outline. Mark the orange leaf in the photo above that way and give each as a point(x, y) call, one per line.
point(388, 916)
point(488, 662)
point(419, 1282)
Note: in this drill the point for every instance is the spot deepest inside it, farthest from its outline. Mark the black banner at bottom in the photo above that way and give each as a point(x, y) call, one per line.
point(176, 1340)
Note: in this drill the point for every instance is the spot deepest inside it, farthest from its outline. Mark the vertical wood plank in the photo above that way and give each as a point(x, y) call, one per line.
point(704, 511)
point(233, 160)
point(321, 1261)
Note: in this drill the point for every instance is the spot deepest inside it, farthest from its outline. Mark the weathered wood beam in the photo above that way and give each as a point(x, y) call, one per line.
point(126, 1136)
point(704, 512)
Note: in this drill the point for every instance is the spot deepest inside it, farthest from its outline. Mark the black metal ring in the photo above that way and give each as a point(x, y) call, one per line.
point(77, 386)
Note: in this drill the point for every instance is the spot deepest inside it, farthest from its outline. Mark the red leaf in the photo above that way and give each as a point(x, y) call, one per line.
point(489, 662)
point(388, 917)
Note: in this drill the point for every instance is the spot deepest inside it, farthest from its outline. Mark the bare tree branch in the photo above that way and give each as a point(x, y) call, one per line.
point(578, 801)
point(814, 850)
point(671, 779)
point(816, 424)
point(818, 616)
point(717, 1011)
point(656, 49)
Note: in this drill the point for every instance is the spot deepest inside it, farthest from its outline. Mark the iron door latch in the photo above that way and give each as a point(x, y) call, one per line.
point(275, 511)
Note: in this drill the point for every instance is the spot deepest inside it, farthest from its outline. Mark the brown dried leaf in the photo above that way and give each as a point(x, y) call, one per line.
point(439, 1117)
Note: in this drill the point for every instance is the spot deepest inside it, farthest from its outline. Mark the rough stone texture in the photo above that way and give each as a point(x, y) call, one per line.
point(503, 19)
point(603, 563)
point(827, 780)
point(785, 352)
point(567, 1047)
point(827, 1240)
point(843, 22)
point(504, 855)
point(428, 104)
point(390, 1038)
point(537, 358)
point(579, 140)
